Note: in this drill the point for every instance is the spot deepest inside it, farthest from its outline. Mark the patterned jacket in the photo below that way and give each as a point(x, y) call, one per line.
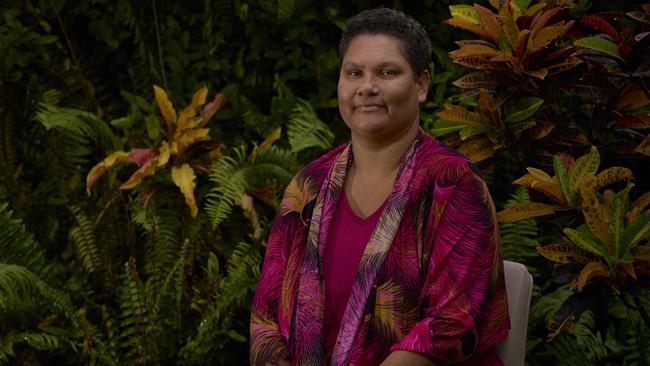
point(430, 279)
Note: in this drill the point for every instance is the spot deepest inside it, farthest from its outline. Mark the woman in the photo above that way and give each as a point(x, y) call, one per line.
point(385, 250)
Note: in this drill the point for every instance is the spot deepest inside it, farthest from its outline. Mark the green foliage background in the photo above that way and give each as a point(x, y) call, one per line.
point(129, 277)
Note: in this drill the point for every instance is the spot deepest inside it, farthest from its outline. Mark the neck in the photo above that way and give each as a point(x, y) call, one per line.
point(380, 159)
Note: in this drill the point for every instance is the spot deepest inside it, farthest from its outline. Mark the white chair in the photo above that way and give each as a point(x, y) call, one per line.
point(519, 287)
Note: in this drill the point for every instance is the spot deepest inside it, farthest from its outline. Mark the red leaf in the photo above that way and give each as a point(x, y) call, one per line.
point(141, 156)
point(602, 25)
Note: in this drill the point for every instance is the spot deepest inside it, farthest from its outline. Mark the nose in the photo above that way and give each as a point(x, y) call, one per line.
point(367, 86)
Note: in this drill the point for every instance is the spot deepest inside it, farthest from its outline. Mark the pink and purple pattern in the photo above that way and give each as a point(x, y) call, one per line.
point(430, 279)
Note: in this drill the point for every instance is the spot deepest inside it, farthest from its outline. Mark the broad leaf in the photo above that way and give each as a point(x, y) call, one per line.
point(478, 80)
point(187, 114)
point(474, 28)
point(477, 149)
point(635, 232)
point(611, 175)
point(443, 127)
point(599, 44)
point(565, 253)
point(466, 13)
point(489, 22)
point(616, 218)
point(98, 170)
point(593, 214)
point(165, 105)
point(523, 109)
point(585, 167)
point(637, 207)
point(562, 177)
point(145, 170)
point(586, 242)
point(644, 146)
point(184, 177)
point(524, 210)
point(460, 114)
point(588, 273)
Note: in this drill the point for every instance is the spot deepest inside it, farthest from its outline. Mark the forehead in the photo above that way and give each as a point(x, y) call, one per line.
point(374, 47)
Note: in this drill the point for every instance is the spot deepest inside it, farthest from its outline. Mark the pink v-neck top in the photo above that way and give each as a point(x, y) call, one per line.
point(346, 242)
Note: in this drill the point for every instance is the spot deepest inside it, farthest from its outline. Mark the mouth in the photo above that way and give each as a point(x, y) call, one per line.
point(365, 108)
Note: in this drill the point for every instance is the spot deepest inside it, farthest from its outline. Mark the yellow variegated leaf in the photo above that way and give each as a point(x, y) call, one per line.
point(147, 169)
point(460, 114)
point(183, 177)
point(466, 13)
point(540, 174)
point(545, 36)
point(474, 28)
point(644, 146)
point(539, 73)
point(641, 253)
point(589, 272)
point(611, 175)
point(477, 149)
point(98, 170)
point(188, 137)
point(585, 167)
point(565, 253)
point(247, 206)
point(164, 153)
point(272, 137)
point(189, 113)
point(524, 210)
point(637, 207)
point(564, 65)
point(473, 50)
point(165, 105)
point(489, 22)
point(535, 8)
point(477, 62)
point(593, 214)
point(509, 24)
point(541, 129)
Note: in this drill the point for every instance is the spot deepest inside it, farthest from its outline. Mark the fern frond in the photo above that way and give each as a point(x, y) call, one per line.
point(133, 318)
point(518, 239)
point(80, 123)
point(235, 175)
point(83, 237)
point(22, 291)
point(35, 339)
point(17, 246)
point(305, 130)
point(94, 344)
point(7, 138)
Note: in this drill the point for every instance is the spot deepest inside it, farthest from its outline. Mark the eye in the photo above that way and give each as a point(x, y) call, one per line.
point(388, 73)
point(353, 74)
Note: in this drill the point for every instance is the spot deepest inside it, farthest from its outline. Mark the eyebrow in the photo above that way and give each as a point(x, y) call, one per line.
point(378, 66)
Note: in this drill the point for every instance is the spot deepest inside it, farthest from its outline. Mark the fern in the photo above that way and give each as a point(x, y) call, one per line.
point(518, 239)
point(133, 317)
point(83, 237)
point(17, 246)
point(306, 130)
point(34, 339)
point(234, 176)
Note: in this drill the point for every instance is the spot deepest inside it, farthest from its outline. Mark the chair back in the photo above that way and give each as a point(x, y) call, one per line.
point(519, 287)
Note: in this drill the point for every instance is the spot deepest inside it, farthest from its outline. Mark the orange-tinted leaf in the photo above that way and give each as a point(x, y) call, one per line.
point(477, 62)
point(188, 137)
point(489, 22)
point(473, 50)
point(632, 97)
point(165, 105)
point(565, 64)
point(629, 268)
point(184, 177)
point(637, 207)
point(545, 36)
point(534, 9)
point(543, 20)
point(644, 147)
point(149, 168)
point(611, 175)
point(509, 24)
point(524, 210)
point(198, 99)
point(589, 272)
point(639, 120)
point(477, 79)
point(541, 129)
point(641, 253)
point(98, 170)
point(460, 114)
point(476, 29)
point(540, 73)
point(163, 158)
point(565, 253)
point(477, 149)
point(212, 107)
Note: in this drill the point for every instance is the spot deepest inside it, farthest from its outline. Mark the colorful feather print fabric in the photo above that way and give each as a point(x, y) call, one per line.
point(429, 281)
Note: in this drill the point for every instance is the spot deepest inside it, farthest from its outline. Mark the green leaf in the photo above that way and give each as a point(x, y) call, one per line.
point(599, 44)
point(586, 242)
point(563, 179)
point(285, 9)
point(616, 218)
point(443, 127)
point(466, 13)
point(584, 167)
point(524, 108)
point(635, 232)
point(470, 131)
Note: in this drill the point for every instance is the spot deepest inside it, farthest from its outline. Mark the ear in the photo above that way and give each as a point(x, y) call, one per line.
point(422, 83)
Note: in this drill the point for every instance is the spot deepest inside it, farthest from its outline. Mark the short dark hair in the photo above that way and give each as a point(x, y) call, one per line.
point(414, 40)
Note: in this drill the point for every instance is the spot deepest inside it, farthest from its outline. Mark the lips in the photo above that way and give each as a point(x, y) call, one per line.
point(368, 107)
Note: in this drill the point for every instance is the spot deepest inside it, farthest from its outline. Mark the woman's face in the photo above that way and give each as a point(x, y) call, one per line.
point(379, 95)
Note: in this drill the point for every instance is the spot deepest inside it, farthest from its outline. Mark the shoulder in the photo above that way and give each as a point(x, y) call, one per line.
point(445, 165)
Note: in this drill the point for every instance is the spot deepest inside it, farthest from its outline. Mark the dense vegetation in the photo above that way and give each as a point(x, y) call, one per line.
point(144, 147)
